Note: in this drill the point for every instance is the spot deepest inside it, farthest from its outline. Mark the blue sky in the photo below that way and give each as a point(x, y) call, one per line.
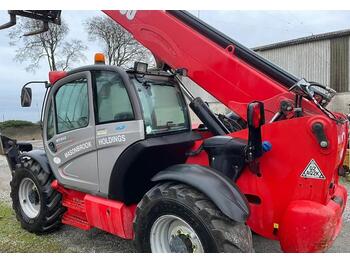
point(251, 28)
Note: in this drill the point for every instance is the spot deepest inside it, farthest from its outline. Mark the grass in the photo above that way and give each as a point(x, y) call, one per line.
point(14, 239)
point(16, 123)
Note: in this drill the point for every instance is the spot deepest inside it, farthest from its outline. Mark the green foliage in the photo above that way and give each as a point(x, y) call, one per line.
point(15, 123)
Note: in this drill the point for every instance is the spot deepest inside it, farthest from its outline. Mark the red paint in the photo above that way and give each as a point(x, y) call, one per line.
point(293, 146)
point(307, 216)
point(308, 226)
point(85, 211)
point(287, 199)
point(54, 76)
point(281, 188)
point(111, 216)
point(256, 115)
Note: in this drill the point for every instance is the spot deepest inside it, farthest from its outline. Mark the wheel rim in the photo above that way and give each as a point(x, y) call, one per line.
point(29, 198)
point(171, 234)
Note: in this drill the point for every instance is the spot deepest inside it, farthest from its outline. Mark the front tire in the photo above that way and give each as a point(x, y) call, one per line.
point(176, 218)
point(36, 204)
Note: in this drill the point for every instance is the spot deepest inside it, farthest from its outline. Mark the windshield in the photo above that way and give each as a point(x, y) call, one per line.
point(163, 106)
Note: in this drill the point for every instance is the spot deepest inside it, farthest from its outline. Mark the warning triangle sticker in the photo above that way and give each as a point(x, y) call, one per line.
point(313, 171)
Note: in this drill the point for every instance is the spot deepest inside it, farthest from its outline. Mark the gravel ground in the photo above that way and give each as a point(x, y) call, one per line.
point(70, 239)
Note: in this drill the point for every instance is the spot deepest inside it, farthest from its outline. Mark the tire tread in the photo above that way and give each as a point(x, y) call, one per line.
point(226, 232)
point(53, 210)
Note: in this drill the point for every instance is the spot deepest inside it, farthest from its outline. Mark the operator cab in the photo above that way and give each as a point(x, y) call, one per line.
point(126, 126)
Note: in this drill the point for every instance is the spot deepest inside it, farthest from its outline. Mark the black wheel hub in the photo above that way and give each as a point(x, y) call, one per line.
point(180, 244)
point(34, 197)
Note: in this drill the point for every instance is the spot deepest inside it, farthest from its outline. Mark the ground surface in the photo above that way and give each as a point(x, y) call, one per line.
point(68, 239)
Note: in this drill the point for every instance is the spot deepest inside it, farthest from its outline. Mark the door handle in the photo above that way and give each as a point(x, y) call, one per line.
point(52, 147)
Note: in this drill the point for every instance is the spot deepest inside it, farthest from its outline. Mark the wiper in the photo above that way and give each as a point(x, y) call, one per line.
point(157, 83)
point(69, 121)
point(68, 124)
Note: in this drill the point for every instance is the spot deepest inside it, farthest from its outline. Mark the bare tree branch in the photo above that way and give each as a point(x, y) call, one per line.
point(120, 47)
point(51, 45)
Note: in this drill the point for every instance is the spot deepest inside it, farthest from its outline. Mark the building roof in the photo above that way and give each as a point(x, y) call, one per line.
point(306, 39)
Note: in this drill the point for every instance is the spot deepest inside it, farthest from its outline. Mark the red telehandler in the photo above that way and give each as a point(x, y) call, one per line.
point(120, 153)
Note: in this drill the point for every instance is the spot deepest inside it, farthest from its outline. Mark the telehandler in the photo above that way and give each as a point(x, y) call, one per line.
point(121, 155)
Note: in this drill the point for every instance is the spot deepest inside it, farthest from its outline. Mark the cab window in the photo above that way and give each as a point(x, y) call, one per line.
point(163, 107)
point(72, 106)
point(112, 100)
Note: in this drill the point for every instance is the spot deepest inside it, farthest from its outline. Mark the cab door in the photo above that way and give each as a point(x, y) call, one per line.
point(69, 133)
point(119, 121)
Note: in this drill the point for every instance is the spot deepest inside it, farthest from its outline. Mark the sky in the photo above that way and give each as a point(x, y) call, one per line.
point(251, 28)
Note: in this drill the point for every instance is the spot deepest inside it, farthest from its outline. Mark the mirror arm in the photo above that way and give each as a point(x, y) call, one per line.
point(47, 84)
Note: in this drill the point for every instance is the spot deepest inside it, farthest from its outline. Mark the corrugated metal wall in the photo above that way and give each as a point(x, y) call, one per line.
point(339, 70)
point(326, 61)
point(308, 60)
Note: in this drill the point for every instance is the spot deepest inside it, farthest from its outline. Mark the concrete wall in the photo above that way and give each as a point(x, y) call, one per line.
point(340, 103)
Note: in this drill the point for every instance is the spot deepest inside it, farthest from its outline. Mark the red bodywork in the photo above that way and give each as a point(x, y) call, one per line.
point(54, 76)
point(303, 214)
point(85, 211)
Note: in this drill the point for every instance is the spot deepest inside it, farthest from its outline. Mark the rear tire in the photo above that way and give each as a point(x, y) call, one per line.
point(36, 204)
point(184, 214)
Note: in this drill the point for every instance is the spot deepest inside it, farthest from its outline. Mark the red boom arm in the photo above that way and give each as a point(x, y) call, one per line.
point(218, 70)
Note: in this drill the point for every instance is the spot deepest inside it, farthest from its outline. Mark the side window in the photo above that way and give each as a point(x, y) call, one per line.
point(72, 106)
point(50, 124)
point(164, 109)
point(112, 100)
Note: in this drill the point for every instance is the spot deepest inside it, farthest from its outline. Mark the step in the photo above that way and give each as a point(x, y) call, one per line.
point(74, 203)
point(75, 222)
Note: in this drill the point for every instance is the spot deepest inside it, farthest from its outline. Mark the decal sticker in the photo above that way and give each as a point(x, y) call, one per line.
point(130, 14)
point(57, 160)
point(101, 132)
point(312, 170)
point(148, 130)
point(120, 127)
point(77, 149)
point(61, 139)
point(111, 140)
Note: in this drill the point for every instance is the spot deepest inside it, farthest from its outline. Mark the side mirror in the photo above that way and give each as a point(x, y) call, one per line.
point(256, 114)
point(26, 97)
point(255, 119)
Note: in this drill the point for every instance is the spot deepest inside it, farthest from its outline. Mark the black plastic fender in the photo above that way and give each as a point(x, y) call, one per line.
point(222, 191)
point(40, 157)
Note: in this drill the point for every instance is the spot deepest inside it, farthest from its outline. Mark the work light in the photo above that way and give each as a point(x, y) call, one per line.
point(140, 67)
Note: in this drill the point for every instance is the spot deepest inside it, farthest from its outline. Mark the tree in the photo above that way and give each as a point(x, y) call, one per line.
point(119, 45)
point(60, 54)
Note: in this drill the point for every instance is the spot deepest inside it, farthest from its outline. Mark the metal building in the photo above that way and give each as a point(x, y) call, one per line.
point(323, 58)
